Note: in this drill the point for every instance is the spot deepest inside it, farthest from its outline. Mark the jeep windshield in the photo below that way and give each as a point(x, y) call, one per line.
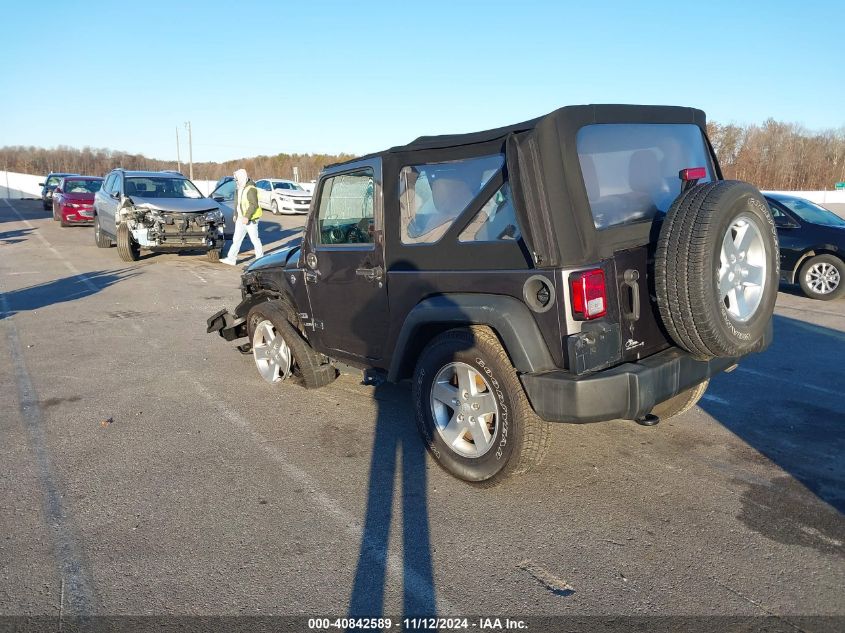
point(631, 170)
point(161, 187)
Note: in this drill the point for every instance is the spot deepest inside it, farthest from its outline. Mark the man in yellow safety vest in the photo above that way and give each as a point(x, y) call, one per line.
point(246, 216)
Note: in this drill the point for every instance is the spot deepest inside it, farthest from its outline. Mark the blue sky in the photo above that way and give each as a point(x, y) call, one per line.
point(326, 76)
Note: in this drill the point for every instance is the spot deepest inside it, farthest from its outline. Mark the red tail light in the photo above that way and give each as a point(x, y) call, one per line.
point(589, 295)
point(692, 173)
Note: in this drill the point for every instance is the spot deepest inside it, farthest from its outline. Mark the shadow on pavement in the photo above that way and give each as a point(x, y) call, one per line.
point(397, 450)
point(14, 236)
point(60, 291)
point(787, 404)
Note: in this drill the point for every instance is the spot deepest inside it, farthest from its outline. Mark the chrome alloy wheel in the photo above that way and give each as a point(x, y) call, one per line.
point(271, 353)
point(742, 268)
point(464, 409)
point(822, 278)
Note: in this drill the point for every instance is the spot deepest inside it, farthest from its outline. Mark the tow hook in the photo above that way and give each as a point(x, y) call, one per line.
point(649, 419)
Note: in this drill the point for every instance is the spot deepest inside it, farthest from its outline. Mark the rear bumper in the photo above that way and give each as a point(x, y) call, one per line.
point(628, 391)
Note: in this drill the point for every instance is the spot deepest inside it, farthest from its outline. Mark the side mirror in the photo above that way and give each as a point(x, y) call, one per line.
point(58, 190)
point(783, 222)
point(115, 195)
point(218, 198)
point(40, 184)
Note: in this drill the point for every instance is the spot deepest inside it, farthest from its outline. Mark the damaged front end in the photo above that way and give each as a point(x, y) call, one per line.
point(162, 229)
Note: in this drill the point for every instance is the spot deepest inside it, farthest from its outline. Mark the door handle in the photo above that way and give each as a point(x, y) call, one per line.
point(371, 274)
point(630, 279)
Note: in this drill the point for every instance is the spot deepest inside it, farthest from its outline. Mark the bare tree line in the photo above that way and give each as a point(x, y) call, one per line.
point(780, 156)
point(773, 155)
point(96, 162)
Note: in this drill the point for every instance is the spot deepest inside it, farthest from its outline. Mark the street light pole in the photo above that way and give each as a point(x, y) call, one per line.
point(190, 152)
point(178, 155)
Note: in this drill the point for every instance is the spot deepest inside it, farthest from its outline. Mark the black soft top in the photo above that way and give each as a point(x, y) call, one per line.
point(544, 171)
point(565, 117)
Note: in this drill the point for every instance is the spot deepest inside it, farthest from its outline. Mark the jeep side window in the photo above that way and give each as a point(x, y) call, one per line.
point(432, 196)
point(346, 215)
point(109, 183)
point(496, 220)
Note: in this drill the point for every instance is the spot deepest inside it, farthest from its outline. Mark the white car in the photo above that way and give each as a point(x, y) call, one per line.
point(282, 196)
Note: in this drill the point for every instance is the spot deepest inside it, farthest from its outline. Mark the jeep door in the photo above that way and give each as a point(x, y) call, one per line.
point(344, 257)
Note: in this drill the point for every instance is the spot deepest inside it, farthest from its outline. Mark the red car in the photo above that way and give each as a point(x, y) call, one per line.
point(73, 199)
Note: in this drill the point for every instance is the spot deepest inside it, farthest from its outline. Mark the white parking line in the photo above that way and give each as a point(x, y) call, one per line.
point(85, 279)
point(67, 549)
point(76, 272)
point(413, 582)
point(803, 385)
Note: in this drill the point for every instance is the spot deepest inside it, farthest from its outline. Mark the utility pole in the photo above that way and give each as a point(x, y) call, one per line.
point(178, 156)
point(190, 152)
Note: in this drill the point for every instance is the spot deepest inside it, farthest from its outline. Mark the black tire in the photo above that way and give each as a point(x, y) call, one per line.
point(274, 207)
point(520, 439)
point(809, 270)
point(62, 222)
point(308, 366)
point(680, 403)
point(127, 247)
point(213, 255)
point(687, 263)
point(55, 217)
point(101, 240)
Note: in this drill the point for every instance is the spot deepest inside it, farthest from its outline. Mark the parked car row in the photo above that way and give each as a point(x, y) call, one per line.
point(812, 238)
point(158, 211)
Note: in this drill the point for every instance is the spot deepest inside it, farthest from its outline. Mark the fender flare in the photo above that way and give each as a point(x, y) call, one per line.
point(507, 316)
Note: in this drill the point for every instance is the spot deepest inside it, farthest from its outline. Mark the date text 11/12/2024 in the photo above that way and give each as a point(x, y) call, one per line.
point(421, 624)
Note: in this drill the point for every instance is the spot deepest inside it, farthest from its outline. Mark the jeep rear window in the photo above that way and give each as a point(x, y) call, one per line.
point(631, 170)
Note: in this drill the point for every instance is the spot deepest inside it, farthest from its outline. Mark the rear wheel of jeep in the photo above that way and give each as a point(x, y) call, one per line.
point(100, 239)
point(128, 249)
point(280, 351)
point(716, 269)
point(680, 403)
point(822, 277)
point(472, 411)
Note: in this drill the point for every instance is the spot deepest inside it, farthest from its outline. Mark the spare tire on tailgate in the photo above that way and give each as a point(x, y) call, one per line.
point(717, 269)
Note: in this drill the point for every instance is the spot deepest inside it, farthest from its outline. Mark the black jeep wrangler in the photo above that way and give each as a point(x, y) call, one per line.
point(587, 265)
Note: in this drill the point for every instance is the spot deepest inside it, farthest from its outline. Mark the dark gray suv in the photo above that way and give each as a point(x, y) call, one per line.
point(158, 211)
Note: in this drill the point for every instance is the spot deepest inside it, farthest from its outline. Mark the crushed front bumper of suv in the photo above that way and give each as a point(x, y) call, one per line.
point(170, 230)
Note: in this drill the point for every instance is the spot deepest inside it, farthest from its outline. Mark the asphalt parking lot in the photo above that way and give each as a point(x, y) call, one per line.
point(147, 469)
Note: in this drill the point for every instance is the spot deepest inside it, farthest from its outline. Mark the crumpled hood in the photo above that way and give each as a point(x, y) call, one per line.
point(177, 205)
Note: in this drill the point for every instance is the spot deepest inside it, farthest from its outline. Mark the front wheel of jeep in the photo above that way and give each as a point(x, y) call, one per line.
point(128, 249)
point(472, 411)
point(280, 351)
